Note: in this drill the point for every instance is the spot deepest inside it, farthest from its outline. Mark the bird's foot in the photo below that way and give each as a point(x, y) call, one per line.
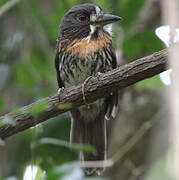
point(60, 90)
point(83, 91)
point(98, 75)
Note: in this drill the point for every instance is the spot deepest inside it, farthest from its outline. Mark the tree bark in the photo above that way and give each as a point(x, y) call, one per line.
point(69, 98)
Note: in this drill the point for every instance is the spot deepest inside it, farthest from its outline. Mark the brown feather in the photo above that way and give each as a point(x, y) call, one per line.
point(87, 46)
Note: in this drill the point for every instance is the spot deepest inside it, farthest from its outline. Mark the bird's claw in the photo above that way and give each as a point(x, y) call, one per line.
point(60, 90)
point(98, 75)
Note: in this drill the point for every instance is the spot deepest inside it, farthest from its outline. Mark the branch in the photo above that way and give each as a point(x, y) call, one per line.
point(49, 107)
point(8, 6)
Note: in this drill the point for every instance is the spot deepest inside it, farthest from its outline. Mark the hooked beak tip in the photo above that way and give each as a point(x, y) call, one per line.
point(107, 19)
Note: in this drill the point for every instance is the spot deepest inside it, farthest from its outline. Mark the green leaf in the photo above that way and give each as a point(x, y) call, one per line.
point(40, 174)
point(80, 147)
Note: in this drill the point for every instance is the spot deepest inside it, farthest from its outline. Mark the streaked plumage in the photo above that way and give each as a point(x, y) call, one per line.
point(84, 48)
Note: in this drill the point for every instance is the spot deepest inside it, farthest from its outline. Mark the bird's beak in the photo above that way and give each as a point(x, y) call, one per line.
point(106, 19)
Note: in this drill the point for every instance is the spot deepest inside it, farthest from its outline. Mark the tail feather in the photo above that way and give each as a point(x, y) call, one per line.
point(89, 133)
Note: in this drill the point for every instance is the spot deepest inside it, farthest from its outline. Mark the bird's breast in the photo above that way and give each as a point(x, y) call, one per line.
point(85, 58)
point(89, 45)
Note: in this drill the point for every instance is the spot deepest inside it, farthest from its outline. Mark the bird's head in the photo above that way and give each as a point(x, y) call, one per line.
point(85, 20)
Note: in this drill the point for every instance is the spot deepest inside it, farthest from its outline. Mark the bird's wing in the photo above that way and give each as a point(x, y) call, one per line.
point(57, 63)
point(111, 101)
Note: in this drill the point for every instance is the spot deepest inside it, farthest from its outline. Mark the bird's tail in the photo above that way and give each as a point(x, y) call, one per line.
point(92, 133)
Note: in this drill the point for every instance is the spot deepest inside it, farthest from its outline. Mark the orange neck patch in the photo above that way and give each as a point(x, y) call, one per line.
point(86, 46)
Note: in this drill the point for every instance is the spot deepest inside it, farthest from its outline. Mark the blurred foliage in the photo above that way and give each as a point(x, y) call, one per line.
point(129, 11)
point(141, 42)
point(158, 170)
point(151, 83)
point(27, 46)
point(78, 147)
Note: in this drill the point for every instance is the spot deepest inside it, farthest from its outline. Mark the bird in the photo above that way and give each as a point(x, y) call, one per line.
point(83, 49)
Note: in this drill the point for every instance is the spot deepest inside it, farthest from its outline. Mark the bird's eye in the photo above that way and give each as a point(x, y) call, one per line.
point(82, 18)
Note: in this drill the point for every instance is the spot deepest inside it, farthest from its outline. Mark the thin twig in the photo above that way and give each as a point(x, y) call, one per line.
point(132, 141)
point(8, 5)
point(145, 127)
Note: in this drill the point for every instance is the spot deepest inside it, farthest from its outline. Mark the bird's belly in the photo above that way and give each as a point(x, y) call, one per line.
point(80, 74)
point(76, 71)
